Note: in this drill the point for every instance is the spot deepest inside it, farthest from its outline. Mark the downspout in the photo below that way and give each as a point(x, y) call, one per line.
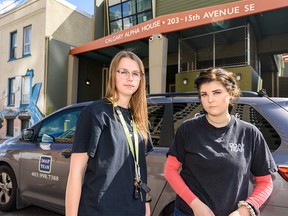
point(179, 55)
point(214, 51)
point(248, 44)
point(46, 72)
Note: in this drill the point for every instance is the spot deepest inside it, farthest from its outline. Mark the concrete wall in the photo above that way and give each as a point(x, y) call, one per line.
point(57, 75)
point(66, 24)
point(30, 13)
point(249, 81)
point(283, 86)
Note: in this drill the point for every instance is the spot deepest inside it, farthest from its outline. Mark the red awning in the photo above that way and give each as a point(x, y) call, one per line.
point(183, 20)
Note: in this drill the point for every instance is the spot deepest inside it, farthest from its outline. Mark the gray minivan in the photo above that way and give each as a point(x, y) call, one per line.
point(270, 115)
point(34, 166)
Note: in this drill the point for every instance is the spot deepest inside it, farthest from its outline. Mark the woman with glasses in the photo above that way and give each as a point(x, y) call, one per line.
point(108, 174)
point(218, 153)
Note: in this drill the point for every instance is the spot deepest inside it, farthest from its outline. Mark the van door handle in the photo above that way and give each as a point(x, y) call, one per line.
point(66, 153)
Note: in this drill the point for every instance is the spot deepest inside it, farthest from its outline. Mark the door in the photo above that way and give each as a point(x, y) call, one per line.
point(44, 168)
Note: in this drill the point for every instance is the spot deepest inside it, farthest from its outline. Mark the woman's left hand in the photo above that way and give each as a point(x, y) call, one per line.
point(242, 211)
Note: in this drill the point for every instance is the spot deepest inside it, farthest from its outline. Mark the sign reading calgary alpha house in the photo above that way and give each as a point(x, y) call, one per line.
point(184, 20)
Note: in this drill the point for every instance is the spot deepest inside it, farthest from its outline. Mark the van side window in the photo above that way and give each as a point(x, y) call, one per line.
point(184, 111)
point(60, 127)
point(155, 115)
point(249, 114)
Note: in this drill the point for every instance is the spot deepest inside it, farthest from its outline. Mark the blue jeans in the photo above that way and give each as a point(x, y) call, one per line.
point(177, 212)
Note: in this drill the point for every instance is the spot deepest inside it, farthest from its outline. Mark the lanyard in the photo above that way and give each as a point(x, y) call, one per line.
point(135, 153)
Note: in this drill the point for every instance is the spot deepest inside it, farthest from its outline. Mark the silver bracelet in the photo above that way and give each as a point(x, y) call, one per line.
point(248, 206)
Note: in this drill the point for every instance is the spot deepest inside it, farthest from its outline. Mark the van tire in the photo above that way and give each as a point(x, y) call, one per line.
point(8, 188)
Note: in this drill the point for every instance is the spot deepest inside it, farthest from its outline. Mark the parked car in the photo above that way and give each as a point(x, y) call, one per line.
point(34, 166)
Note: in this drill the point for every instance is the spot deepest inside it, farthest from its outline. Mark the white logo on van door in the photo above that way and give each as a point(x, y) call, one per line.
point(45, 167)
point(45, 163)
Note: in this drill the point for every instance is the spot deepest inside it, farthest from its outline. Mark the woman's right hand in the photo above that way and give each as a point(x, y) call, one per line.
point(200, 209)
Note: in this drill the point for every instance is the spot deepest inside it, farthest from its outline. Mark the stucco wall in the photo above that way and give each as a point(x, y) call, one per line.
point(32, 14)
point(55, 23)
point(67, 24)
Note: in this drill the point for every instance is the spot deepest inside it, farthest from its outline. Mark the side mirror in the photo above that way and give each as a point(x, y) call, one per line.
point(27, 134)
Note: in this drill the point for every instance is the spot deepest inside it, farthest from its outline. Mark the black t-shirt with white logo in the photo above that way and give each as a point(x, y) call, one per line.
point(217, 162)
point(108, 183)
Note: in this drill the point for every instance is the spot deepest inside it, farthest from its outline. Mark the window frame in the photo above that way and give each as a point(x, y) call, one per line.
point(29, 83)
point(124, 15)
point(11, 92)
point(10, 127)
point(13, 45)
point(27, 29)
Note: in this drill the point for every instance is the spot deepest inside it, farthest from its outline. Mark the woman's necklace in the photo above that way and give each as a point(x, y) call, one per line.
point(219, 124)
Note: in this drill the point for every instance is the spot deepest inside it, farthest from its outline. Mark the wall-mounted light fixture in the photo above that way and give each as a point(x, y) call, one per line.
point(87, 82)
point(185, 81)
point(238, 76)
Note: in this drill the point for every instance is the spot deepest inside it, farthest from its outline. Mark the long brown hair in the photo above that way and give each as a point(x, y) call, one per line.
point(138, 103)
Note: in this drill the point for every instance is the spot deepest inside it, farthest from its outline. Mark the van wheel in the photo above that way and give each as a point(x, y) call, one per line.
point(8, 188)
point(169, 210)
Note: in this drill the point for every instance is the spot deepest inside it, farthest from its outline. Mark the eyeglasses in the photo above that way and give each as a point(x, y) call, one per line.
point(125, 74)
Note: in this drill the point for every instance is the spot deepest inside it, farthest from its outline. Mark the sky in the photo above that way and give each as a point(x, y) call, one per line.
point(84, 5)
point(6, 5)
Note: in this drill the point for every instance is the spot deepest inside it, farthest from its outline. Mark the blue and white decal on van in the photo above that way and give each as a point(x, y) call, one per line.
point(45, 164)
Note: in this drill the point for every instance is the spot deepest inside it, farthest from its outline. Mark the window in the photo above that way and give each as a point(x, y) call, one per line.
point(27, 34)
point(10, 127)
point(24, 124)
point(128, 8)
point(124, 14)
point(13, 45)
point(184, 111)
point(145, 16)
point(143, 5)
point(156, 115)
point(12, 90)
point(115, 12)
point(60, 127)
point(129, 22)
point(249, 114)
point(116, 26)
point(26, 87)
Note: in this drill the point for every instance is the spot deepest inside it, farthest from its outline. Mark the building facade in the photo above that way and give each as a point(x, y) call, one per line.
point(177, 39)
point(36, 37)
point(54, 55)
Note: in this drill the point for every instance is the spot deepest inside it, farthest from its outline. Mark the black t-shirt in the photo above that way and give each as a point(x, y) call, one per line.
point(108, 183)
point(217, 162)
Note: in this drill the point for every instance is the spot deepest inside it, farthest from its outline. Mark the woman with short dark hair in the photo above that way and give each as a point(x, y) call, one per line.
point(217, 152)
